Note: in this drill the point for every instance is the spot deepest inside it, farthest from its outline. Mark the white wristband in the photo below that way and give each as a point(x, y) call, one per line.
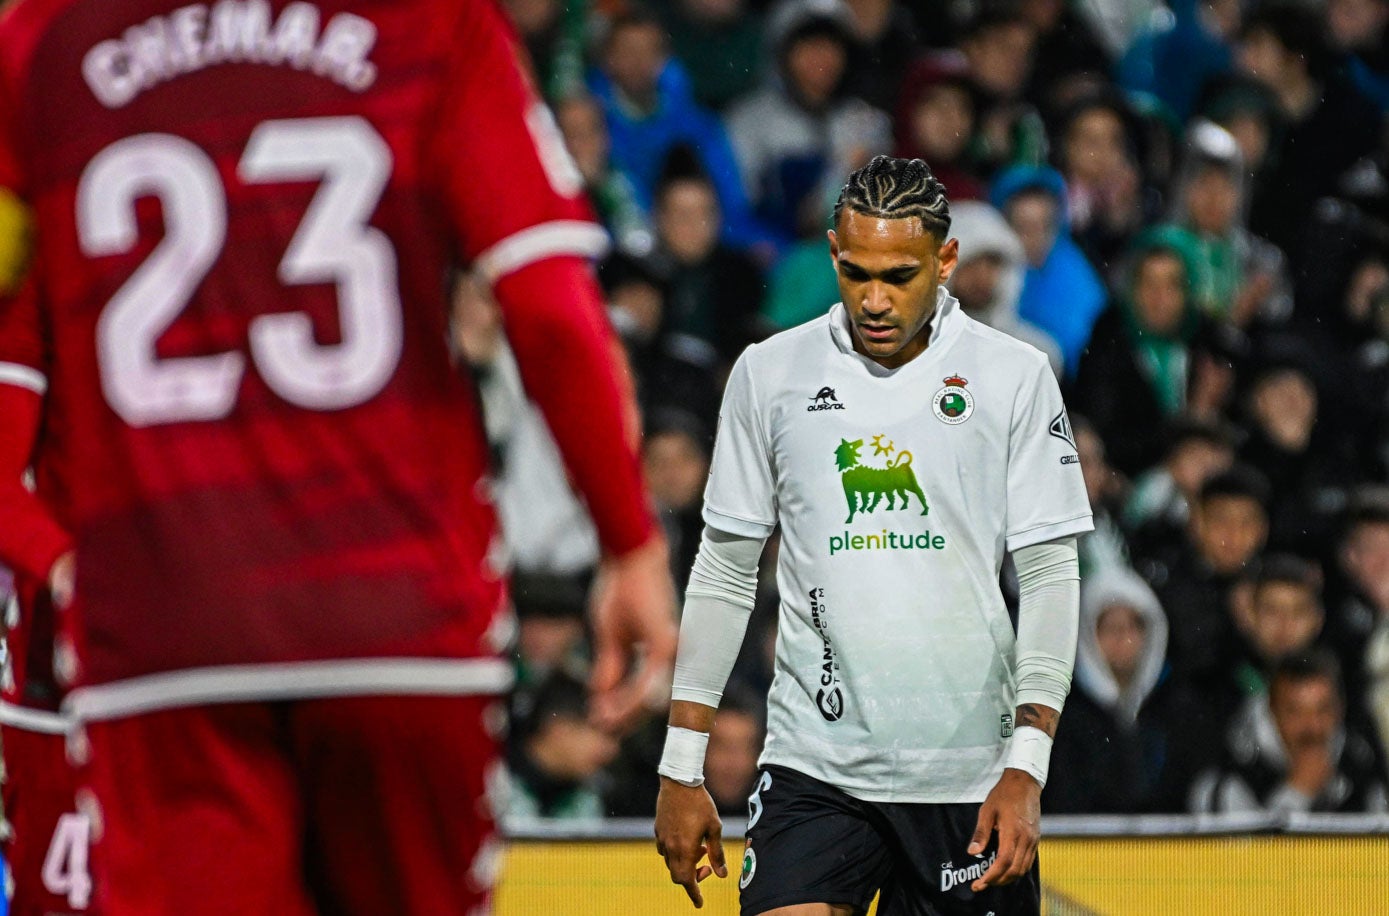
point(683, 758)
point(1029, 750)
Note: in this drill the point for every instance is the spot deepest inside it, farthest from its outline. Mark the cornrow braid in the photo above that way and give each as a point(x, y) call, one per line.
point(891, 188)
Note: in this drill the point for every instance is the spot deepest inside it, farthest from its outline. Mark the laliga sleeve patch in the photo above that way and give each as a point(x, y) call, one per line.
point(15, 240)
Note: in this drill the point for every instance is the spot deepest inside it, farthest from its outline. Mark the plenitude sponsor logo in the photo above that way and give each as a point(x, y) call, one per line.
point(886, 540)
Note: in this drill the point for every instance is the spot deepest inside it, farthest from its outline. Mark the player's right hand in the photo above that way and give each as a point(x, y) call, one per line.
point(634, 634)
point(687, 829)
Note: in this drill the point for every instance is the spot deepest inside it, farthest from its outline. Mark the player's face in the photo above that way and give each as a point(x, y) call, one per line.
point(889, 270)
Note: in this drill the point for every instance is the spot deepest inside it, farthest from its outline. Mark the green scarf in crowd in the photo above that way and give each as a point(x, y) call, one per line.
point(1164, 358)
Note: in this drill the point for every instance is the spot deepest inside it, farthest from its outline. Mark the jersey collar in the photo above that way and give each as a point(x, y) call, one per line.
point(945, 326)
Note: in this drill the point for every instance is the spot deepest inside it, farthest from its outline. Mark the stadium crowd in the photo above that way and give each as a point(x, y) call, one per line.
point(1185, 205)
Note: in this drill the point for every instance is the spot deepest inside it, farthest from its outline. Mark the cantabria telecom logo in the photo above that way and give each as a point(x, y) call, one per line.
point(865, 487)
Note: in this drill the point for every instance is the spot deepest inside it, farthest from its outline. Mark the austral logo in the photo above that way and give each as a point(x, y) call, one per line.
point(825, 400)
point(830, 697)
point(953, 404)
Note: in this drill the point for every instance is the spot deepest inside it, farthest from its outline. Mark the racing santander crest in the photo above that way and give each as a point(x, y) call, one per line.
point(953, 404)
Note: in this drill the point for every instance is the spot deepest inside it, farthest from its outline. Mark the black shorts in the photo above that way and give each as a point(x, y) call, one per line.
point(808, 842)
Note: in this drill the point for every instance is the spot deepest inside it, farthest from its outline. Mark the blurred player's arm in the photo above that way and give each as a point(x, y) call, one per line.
point(31, 540)
point(1048, 624)
point(718, 603)
point(516, 204)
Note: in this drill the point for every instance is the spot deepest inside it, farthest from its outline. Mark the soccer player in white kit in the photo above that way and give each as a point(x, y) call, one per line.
point(903, 448)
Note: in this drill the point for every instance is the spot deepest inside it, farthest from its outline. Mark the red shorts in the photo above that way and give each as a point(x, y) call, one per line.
point(359, 805)
point(47, 849)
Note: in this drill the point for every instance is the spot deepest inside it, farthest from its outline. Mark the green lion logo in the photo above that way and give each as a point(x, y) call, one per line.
point(864, 487)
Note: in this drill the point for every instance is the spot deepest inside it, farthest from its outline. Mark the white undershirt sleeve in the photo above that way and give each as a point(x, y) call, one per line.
point(718, 603)
point(1048, 621)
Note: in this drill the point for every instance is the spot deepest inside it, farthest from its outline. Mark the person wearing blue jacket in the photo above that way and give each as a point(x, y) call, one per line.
point(650, 109)
point(1061, 292)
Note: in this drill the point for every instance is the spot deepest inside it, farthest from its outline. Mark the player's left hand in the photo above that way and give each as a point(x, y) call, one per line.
point(634, 635)
point(1014, 809)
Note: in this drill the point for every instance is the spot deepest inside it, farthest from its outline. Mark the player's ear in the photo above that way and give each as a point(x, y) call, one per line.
point(949, 257)
point(834, 250)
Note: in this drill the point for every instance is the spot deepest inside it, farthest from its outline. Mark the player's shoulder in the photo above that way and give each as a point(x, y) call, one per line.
point(811, 334)
point(1002, 348)
point(22, 23)
point(775, 351)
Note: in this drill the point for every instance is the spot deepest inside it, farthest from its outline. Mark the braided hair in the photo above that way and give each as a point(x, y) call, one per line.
point(891, 188)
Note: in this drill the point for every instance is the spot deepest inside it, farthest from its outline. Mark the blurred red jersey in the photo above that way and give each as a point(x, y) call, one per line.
point(246, 217)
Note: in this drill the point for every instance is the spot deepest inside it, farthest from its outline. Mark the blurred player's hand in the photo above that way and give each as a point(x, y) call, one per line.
point(634, 635)
point(1014, 809)
point(687, 829)
point(62, 580)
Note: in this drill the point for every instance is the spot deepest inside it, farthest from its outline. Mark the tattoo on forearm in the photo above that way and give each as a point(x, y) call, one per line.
point(1043, 717)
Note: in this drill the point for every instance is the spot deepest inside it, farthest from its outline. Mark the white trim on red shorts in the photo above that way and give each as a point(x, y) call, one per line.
point(291, 681)
point(24, 377)
point(545, 240)
point(24, 719)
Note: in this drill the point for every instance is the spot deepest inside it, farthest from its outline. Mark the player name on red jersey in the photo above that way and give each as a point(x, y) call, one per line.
point(202, 35)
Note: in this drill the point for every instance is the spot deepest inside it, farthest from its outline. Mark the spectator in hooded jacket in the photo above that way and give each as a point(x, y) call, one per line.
point(650, 110)
point(800, 134)
point(1127, 744)
point(1295, 752)
point(1174, 56)
point(935, 121)
point(1243, 277)
point(1133, 378)
point(988, 277)
point(1061, 293)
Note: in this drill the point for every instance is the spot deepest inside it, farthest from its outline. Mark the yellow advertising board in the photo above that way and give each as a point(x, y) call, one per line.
point(1261, 874)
